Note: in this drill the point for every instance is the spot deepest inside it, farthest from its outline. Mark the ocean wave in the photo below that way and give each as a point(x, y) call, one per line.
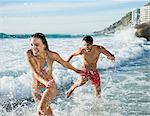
point(12, 73)
point(119, 79)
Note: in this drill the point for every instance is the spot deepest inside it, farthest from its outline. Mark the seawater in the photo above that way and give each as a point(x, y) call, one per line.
point(125, 83)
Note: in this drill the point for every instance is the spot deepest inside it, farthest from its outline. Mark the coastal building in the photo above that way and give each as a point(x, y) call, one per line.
point(135, 19)
point(145, 14)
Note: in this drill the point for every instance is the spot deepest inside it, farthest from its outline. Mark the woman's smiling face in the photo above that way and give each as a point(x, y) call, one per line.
point(37, 46)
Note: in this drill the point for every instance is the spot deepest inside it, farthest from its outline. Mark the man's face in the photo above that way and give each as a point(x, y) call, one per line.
point(87, 45)
point(36, 46)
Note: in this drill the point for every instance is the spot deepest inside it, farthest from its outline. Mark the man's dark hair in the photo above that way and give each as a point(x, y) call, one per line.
point(43, 39)
point(88, 39)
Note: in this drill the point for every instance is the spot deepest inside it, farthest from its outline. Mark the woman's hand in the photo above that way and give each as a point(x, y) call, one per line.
point(50, 83)
point(78, 71)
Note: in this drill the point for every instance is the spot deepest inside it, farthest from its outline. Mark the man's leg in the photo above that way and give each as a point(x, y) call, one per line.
point(97, 91)
point(78, 83)
point(97, 83)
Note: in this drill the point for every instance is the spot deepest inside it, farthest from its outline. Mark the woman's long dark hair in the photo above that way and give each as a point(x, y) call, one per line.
point(43, 38)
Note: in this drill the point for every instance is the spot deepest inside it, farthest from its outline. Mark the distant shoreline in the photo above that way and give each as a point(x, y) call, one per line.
point(11, 36)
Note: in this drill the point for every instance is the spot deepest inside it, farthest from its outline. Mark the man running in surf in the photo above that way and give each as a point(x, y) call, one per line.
point(90, 54)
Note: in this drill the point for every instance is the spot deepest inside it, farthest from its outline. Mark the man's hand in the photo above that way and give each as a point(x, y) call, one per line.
point(112, 58)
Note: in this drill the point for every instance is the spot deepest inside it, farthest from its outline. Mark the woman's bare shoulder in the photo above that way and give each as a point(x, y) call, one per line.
point(52, 54)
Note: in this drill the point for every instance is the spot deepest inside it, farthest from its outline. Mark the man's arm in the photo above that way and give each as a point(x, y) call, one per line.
point(75, 53)
point(107, 53)
point(57, 58)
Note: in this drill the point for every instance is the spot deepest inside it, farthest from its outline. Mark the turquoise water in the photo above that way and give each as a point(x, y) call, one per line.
point(125, 84)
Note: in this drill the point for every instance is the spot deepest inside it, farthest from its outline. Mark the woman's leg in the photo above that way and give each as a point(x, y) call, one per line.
point(47, 96)
point(37, 98)
point(49, 111)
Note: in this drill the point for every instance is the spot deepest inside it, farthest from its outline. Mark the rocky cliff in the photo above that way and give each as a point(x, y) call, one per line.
point(143, 30)
point(119, 25)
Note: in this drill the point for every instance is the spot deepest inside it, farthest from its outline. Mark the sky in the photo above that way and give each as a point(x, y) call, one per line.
point(62, 16)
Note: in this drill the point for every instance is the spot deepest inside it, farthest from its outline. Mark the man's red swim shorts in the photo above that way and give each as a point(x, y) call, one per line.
point(91, 75)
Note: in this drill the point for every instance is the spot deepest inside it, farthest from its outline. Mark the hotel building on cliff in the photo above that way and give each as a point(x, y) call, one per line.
point(135, 17)
point(141, 15)
point(145, 14)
